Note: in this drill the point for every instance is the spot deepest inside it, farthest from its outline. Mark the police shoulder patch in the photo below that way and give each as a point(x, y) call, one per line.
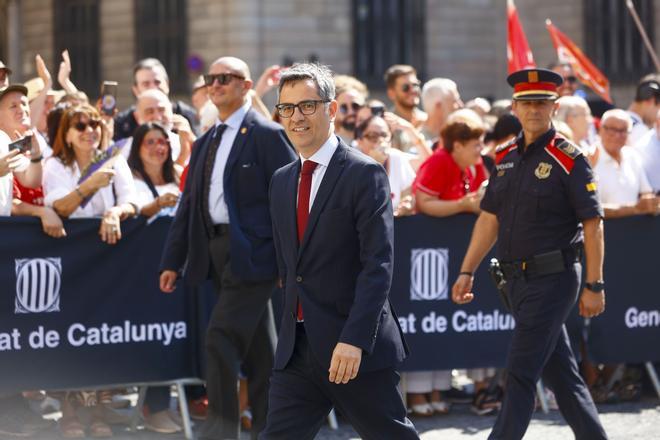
point(564, 153)
point(504, 149)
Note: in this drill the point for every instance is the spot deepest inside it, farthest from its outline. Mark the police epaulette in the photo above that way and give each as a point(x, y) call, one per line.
point(564, 152)
point(503, 150)
point(505, 145)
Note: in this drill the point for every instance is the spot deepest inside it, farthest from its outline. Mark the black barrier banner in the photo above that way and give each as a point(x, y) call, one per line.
point(629, 330)
point(442, 335)
point(77, 312)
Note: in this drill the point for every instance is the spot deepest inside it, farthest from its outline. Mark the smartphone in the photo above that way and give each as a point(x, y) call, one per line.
point(109, 97)
point(23, 144)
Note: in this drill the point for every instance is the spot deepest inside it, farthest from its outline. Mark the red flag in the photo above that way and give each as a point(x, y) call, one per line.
point(568, 52)
point(517, 50)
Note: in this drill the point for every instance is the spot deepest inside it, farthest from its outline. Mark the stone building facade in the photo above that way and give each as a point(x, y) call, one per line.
point(461, 39)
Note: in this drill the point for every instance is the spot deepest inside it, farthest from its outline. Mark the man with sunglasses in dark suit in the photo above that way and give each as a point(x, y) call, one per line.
point(223, 230)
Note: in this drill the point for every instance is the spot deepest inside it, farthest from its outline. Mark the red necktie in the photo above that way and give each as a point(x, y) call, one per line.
point(302, 214)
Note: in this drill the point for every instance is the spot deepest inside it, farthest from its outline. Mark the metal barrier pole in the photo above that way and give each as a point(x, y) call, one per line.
point(654, 377)
point(137, 412)
point(540, 392)
point(183, 406)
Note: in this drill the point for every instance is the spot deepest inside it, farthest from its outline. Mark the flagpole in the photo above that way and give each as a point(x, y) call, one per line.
point(642, 31)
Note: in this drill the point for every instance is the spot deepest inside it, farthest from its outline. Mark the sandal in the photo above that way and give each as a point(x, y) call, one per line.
point(486, 401)
point(70, 427)
point(99, 429)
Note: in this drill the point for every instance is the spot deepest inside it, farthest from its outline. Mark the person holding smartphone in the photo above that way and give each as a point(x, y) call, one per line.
point(20, 158)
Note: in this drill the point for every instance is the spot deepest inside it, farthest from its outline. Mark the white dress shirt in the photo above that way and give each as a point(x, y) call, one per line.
point(60, 180)
point(217, 205)
point(322, 158)
point(638, 129)
point(649, 148)
point(620, 183)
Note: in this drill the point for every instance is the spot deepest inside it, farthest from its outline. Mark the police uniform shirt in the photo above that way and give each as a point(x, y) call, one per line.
point(539, 196)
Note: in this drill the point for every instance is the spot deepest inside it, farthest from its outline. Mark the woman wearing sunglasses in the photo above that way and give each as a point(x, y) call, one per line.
point(108, 192)
point(156, 180)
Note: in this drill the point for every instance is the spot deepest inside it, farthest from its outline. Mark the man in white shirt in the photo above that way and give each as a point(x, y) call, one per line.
point(623, 187)
point(649, 148)
point(15, 123)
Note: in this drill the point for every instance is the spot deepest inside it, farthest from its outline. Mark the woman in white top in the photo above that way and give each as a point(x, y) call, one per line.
point(156, 179)
point(374, 138)
point(157, 185)
point(108, 192)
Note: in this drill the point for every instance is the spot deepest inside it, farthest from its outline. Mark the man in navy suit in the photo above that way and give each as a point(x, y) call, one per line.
point(223, 229)
point(333, 228)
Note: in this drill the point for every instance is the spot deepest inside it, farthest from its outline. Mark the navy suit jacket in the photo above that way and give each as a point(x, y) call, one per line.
point(260, 148)
point(342, 270)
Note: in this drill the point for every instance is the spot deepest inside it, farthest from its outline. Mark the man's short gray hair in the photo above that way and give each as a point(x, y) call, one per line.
point(436, 90)
point(617, 113)
point(569, 105)
point(319, 73)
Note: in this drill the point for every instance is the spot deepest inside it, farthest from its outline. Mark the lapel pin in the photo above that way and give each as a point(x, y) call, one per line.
point(243, 130)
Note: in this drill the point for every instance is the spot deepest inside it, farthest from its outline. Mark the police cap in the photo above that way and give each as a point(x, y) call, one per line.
point(535, 84)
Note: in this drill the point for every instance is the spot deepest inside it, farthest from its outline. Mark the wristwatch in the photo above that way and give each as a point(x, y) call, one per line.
point(596, 287)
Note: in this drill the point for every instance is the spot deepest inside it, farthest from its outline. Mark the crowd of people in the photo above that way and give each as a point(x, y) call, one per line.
point(63, 156)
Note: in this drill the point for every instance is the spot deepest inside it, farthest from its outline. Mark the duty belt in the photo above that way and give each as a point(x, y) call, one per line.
point(547, 263)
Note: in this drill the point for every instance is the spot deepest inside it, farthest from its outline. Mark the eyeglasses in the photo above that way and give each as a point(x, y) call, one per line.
point(82, 126)
point(344, 108)
point(222, 78)
point(410, 86)
point(375, 136)
point(619, 131)
point(151, 143)
point(285, 110)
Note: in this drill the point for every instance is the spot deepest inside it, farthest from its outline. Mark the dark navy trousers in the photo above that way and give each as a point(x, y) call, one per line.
point(540, 349)
point(301, 396)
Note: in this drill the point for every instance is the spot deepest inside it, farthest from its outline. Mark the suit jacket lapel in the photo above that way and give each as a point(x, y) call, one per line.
point(335, 167)
point(239, 143)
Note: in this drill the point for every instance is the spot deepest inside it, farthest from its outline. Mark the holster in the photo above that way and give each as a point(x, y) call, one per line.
point(497, 275)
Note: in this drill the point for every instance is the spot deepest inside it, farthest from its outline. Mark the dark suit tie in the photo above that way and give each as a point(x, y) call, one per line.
point(208, 170)
point(304, 191)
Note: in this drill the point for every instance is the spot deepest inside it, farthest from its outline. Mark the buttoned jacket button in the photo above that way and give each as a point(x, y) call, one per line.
point(299, 279)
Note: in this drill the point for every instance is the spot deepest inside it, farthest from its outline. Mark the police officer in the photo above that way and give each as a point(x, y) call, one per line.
point(542, 209)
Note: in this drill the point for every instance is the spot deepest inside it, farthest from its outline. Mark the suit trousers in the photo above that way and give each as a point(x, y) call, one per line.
point(241, 332)
point(540, 348)
point(301, 396)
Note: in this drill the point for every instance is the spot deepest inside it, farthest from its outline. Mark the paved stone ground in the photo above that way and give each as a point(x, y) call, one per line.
point(629, 421)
